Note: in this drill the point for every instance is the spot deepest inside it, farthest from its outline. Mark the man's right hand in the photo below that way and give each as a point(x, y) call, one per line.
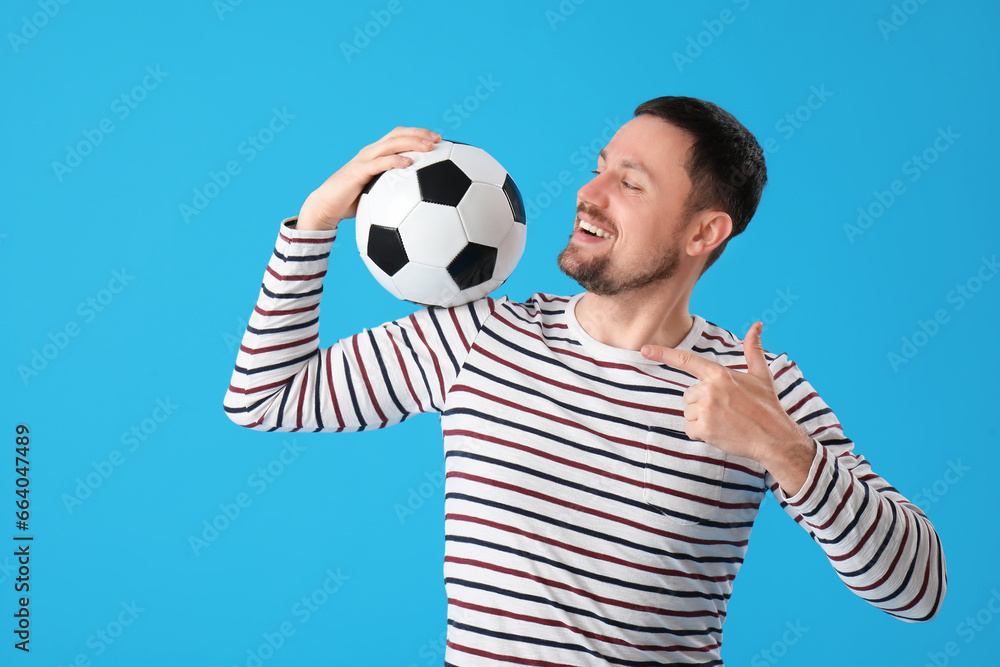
point(337, 199)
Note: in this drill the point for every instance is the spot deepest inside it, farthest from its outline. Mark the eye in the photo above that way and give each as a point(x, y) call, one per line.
point(625, 183)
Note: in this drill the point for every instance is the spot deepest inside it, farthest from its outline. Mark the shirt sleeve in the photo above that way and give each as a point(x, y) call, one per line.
point(881, 545)
point(283, 380)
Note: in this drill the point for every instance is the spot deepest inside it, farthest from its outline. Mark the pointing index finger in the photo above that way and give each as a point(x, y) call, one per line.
point(684, 360)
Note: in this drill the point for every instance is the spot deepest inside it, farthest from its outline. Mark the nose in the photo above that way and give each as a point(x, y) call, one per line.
point(594, 191)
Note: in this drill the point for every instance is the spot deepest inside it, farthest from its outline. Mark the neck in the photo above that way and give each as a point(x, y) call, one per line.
point(657, 315)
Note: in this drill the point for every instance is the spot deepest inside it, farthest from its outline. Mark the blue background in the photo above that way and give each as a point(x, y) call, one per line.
point(562, 77)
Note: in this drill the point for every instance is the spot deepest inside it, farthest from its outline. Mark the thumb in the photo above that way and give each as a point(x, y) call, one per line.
point(753, 352)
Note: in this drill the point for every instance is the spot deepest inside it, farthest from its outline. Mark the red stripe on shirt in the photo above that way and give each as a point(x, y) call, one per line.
point(585, 633)
point(290, 311)
point(290, 239)
point(283, 346)
point(506, 658)
point(577, 390)
point(434, 359)
point(310, 276)
point(694, 613)
point(601, 556)
point(402, 367)
point(579, 508)
point(458, 328)
point(368, 384)
point(329, 384)
point(302, 398)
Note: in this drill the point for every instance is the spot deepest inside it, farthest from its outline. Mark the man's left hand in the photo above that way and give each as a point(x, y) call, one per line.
point(740, 413)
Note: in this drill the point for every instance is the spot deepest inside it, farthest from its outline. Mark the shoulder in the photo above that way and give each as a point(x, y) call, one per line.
point(542, 316)
point(536, 306)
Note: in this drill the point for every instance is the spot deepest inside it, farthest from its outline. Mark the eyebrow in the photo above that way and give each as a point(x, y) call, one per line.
point(626, 163)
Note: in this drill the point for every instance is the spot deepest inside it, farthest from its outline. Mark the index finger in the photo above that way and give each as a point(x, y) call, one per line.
point(684, 360)
point(420, 132)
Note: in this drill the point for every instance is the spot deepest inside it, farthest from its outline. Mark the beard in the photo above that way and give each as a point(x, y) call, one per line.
point(598, 276)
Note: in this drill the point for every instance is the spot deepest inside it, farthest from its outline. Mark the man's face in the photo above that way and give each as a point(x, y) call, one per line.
point(637, 198)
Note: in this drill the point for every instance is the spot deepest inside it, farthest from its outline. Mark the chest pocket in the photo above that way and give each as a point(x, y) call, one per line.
point(691, 482)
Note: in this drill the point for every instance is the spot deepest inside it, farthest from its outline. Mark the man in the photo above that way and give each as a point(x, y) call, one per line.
point(605, 454)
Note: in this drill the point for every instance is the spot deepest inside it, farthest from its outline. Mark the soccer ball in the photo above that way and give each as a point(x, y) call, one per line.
point(445, 230)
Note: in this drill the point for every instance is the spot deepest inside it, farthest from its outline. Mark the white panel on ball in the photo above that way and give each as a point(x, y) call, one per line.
point(478, 165)
point(441, 151)
point(363, 222)
point(510, 250)
point(393, 196)
point(383, 279)
point(425, 284)
point(432, 234)
point(485, 214)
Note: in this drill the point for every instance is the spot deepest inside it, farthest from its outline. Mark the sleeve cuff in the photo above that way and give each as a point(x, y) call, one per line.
point(301, 242)
point(804, 499)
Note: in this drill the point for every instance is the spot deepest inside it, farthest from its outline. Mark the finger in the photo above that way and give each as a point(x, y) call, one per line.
point(390, 145)
point(684, 360)
point(421, 132)
point(753, 352)
point(386, 162)
point(693, 393)
point(361, 171)
point(693, 431)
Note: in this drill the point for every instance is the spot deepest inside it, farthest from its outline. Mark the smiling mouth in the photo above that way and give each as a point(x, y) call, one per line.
point(593, 230)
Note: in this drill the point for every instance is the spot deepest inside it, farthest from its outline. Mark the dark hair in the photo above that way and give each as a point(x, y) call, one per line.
point(726, 164)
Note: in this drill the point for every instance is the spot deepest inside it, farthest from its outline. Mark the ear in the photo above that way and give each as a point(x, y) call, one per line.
point(706, 231)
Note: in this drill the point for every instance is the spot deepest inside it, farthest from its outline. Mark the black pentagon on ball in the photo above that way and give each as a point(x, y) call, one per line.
point(514, 199)
point(385, 248)
point(473, 266)
point(443, 183)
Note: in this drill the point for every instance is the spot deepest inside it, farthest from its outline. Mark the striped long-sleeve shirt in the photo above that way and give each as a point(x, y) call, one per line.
point(582, 525)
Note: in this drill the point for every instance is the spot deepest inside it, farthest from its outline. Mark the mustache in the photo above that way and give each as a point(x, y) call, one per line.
point(597, 216)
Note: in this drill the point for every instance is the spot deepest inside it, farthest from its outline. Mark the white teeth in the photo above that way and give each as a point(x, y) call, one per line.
point(594, 229)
